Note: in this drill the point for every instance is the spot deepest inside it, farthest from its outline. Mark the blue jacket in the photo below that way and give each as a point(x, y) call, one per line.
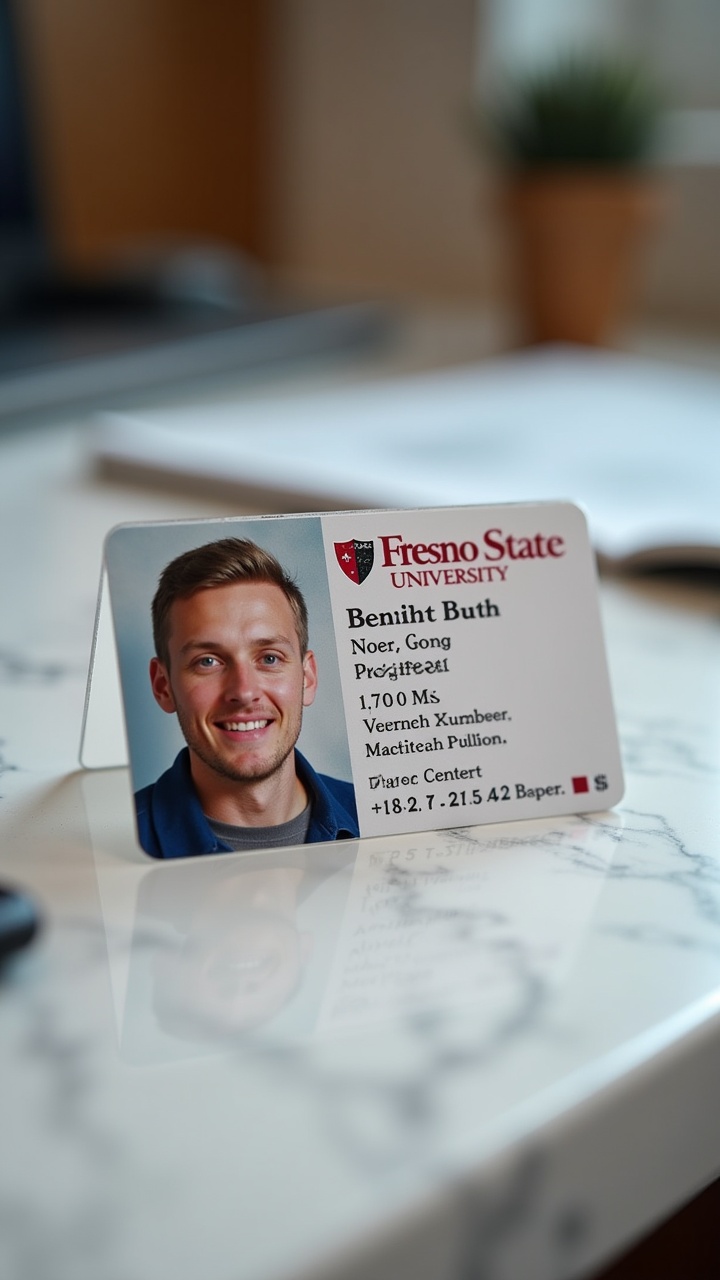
point(171, 823)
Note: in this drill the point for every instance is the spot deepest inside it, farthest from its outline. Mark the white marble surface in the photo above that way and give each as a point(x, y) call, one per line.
point(490, 1054)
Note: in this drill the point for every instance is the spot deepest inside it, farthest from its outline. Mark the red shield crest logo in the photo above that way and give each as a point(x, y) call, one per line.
point(355, 558)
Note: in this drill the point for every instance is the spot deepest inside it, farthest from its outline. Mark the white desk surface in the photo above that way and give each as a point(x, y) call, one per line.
point(487, 1053)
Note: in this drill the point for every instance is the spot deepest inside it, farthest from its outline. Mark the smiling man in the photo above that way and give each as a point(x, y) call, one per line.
point(232, 662)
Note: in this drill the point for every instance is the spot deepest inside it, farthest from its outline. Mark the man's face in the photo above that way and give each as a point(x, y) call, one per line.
point(236, 678)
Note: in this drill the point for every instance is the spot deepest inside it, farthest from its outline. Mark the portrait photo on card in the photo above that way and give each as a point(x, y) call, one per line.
point(230, 683)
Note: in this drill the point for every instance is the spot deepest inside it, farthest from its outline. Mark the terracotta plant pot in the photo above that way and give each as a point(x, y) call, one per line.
point(577, 236)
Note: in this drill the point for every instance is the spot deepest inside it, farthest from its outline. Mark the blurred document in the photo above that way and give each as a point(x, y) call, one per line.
point(636, 443)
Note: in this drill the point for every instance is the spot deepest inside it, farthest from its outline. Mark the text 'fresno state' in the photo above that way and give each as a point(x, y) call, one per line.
point(498, 546)
point(408, 560)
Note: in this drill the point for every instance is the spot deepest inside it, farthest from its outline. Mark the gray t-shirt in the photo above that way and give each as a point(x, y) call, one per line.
point(242, 838)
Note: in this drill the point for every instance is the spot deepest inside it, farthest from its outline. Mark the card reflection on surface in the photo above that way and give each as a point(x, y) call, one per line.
point(308, 944)
point(226, 947)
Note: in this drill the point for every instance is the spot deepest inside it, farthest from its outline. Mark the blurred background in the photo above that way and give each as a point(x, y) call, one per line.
point(333, 142)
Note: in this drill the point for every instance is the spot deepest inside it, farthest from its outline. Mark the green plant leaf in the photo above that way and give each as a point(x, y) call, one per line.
point(581, 110)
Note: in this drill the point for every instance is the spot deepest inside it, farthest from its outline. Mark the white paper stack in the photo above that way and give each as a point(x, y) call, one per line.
point(636, 443)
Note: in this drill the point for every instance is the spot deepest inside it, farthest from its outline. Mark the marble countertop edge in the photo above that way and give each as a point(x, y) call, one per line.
point(562, 1158)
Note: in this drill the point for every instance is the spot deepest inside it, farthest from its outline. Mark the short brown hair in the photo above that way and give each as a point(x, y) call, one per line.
point(216, 565)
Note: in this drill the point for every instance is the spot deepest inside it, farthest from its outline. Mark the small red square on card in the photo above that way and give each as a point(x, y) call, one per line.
point(580, 784)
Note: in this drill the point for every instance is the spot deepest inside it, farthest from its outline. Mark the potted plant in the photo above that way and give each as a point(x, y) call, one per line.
point(575, 136)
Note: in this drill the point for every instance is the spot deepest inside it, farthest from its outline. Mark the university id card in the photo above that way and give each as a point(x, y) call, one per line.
point(457, 672)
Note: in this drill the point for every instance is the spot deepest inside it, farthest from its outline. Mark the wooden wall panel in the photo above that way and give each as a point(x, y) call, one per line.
point(149, 114)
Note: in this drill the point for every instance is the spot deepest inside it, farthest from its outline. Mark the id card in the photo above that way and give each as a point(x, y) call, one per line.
point(302, 679)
